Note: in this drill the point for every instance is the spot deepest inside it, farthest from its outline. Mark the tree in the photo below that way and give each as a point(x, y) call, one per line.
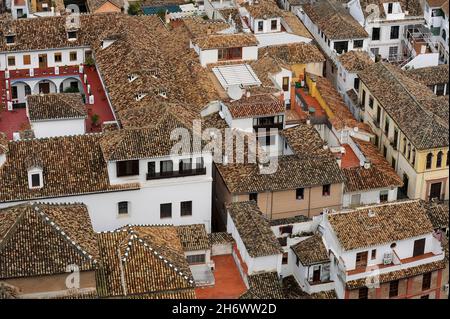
point(134, 9)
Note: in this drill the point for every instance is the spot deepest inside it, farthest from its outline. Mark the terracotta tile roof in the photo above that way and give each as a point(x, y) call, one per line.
point(295, 53)
point(289, 220)
point(341, 117)
point(4, 143)
point(254, 229)
point(255, 105)
point(71, 165)
point(431, 75)
point(414, 7)
point(354, 61)
point(293, 172)
point(311, 251)
point(334, 20)
point(292, 290)
point(379, 175)
point(295, 24)
point(235, 16)
point(264, 285)
point(399, 274)
point(218, 41)
point(264, 9)
point(93, 5)
point(305, 140)
point(198, 27)
point(43, 239)
point(193, 237)
point(142, 261)
point(56, 106)
point(391, 222)
point(264, 67)
point(421, 115)
point(220, 238)
point(445, 8)
point(438, 213)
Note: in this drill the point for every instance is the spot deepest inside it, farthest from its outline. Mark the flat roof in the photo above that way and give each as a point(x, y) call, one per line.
point(279, 38)
point(236, 75)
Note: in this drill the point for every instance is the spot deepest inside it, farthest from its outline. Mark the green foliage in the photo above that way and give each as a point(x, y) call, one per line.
point(134, 9)
point(71, 90)
point(89, 61)
point(95, 118)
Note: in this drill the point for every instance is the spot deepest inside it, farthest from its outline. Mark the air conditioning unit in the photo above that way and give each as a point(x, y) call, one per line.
point(388, 258)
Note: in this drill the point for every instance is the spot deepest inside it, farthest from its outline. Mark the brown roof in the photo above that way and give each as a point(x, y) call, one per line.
point(199, 27)
point(193, 237)
point(391, 222)
point(217, 41)
point(305, 140)
point(421, 115)
point(264, 9)
point(93, 5)
point(334, 20)
point(399, 274)
point(71, 165)
point(42, 239)
point(311, 251)
point(379, 175)
point(4, 143)
point(295, 53)
point(264, 285)
point(295, 24)
point(264, 67)
point(226, 13)
point(255, 105)
point(438, 213)
point(431, 75)
point(354, 61)
point(142, 260)
point(56, 106)
point(220, 238)
point(413, 7)
point(254, 230)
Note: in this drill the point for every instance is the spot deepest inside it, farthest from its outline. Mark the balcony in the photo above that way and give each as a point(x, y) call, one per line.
point(172, 174)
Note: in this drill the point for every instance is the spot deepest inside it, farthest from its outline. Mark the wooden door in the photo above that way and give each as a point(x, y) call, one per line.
point(44, 88)
point(43, 61)
point(419, 247)
point(435, 190)
point(316, 275)
point(361, 259)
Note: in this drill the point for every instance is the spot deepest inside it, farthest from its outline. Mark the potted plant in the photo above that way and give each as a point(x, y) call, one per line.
point(95, 120)
point(90, 63)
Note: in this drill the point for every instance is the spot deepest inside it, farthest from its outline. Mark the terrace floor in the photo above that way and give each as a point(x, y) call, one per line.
point(312, 104)
point(16, 120)
point(349, 159)
point(228, 281)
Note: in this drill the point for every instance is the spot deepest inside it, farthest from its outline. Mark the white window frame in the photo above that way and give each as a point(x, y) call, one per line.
point(35, 171)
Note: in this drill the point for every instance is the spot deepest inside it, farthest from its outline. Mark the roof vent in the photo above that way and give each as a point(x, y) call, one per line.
point(140, 96)
point(366, 164)
point(132, 77)
point(371, 213)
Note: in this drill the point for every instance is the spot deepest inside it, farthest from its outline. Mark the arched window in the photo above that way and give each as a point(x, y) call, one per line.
point(439, 159)
point(429, 160)
point(408, 156)
point(413, 160)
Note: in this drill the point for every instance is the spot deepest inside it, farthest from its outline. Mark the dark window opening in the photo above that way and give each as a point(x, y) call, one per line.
point(186, 208)
point(426, 281)
point(273, 24)
point(358, 44)
point(127, 168)
point(166, 167)
point(196, 259)
point(363, 293)
point(375, 33)
point(122, 208)
point(393, 289)
point(35, 180)
point(165, 210)
point(284, 261)
point(253, 196)
point(395, 31)
point(326, 190)
point(230, 54)
point(300, 193)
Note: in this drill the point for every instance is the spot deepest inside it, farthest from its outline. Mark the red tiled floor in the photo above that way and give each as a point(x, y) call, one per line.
point(13, 121)
point(228, 281)
point(349, 159)
point(101, 106)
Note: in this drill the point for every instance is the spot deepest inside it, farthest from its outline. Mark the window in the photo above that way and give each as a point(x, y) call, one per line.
point(413, 157)
point(361, 259)
point(73, 56)
point(186, 208)
point(395, 30)
point(165, 210)
point(11, 61)
point(196, 259)
point(393, 163)
point(166, 167)
point(384, 151)
point(373, 255)
point(26, 59)
point(363, 97)
point(27, 90)
point(286, 83)
point(363, 293)
point(355, 200)
point(72, 35)
point(297, 261)
point(300, 193)
point(326, 190)
point(395, 141)
point(384, 196)
point(393, 289)
point(284, 261)
point(390, 5)
point(375, 34)
point(282, 241)
point(358, 44)
point(371, 102)
point(429, 160)
point(151, 168)
point(10, 39)
point(122, 208)
point(127, 168)
point(273, 24)
point(286, 229)
point(386, 127)
point(419, 247)
point(229, 54)
point(36, 180)
point(260, 25)
point(253, 196)
point(439, 159)
point(341, 46)
point(14, 92)
point(58, 57)
point(393, 52)
point(426, 281)
point(199, 163)
point(440, 89)
point(185, 164)
point(356, 86)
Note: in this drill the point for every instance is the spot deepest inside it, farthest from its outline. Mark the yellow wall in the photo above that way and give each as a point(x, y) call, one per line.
point(314, 92)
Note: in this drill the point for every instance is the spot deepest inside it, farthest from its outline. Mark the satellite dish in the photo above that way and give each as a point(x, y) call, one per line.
point(235, 92)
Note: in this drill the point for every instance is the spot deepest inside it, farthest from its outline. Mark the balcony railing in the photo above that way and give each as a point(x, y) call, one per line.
point(172, 174)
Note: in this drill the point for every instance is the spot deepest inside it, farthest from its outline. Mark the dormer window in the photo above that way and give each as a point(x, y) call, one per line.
point(10, 39)
point(132, 77)
point(72, 35)
point(140, 96)
point(390, 7)
point(35, 178)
